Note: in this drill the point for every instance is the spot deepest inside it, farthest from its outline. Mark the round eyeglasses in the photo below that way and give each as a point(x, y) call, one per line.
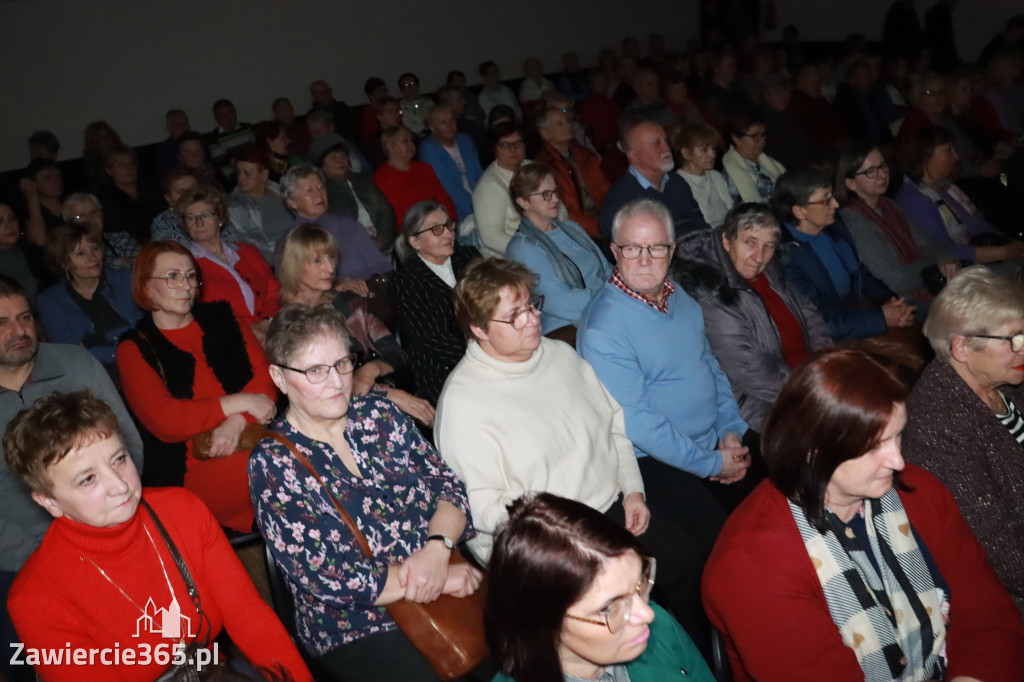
point(436, 230)
point(616, 615)
point(521, 317)
point(176, 280)
point(317, 374)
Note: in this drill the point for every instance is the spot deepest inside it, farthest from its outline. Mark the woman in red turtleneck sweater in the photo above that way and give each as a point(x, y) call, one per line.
point(104, 573)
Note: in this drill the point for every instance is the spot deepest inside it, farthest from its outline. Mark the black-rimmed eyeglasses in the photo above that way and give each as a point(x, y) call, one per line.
point(1016, 341)
point(317, 374)
point(436, 230)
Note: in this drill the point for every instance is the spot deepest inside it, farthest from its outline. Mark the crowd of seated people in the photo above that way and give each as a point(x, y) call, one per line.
point(627, 272)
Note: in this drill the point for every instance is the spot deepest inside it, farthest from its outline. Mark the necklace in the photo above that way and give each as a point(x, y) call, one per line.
point(125, 594)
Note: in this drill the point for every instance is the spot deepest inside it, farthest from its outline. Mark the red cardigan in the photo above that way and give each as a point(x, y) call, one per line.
point(220, 285)
point(405, 188)
point(61, 599)
point(761, 591)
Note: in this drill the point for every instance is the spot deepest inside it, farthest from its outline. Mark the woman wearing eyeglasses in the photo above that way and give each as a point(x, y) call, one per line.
point(230, 271)
point(189, 368)
point(409, 505)
point(963, 416)
point(893, 248)
point(568, 599)
point(423, 294)
point(849, 563)
point(493, 209)
point(752, 172)
point(570, 268)
point(308, 256)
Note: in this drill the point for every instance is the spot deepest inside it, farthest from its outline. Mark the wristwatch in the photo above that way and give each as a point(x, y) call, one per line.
point(445, 540)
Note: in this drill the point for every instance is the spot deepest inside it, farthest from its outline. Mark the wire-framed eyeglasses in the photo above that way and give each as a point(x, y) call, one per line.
point(633, 251)
point(521, 317)
point(317, 374)
point(176, 280)
point(616, 615)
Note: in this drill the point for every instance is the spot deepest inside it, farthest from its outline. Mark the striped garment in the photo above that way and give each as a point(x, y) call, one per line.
point(1012, 420)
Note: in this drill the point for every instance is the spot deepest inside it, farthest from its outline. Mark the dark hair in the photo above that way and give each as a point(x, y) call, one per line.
point(118, 150)
point(222, 104)
point(9, 286)
point(171, 113)
point(190, 136)
point(46, 140)
point(37, 165)
point(454, 73)
point(267, 131)
point(850, 159)
point(408, 74)
point(499, 112)
point(832, 409)
point(486, 66)
point(545, 558)
point(504, 129)
point(175, 174)
point(794, 188)
point(922, 146)
point(371, 84)
point(743, 119)
point(339, 147)
point(279, 100)
point(254, 153)
point(63, 240)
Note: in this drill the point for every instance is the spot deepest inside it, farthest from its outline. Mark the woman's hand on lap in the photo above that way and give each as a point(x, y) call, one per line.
point(463, 580)
point(225, 438)
point(417, 408)
point(425, 572)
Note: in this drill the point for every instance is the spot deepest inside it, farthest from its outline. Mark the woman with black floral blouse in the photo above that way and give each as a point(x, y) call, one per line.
point(383, 472)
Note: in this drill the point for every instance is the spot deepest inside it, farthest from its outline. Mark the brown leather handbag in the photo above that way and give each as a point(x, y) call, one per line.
point(252, 434)
point(449, 632)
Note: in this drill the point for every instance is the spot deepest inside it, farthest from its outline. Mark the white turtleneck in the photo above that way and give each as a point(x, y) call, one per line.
point(543, 425)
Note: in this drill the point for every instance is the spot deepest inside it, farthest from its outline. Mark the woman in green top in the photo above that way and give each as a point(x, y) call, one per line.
point(568, 599)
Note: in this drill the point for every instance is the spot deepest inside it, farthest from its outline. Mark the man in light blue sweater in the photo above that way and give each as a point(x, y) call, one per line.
point(645, 339)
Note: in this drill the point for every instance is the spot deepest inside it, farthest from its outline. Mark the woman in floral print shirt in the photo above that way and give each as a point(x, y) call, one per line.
point(382, 471)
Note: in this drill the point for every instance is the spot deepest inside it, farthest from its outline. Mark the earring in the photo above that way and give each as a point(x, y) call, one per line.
point(67, 273)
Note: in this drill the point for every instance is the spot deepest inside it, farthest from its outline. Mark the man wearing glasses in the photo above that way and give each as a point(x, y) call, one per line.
point(645, 339)
point(30, 370)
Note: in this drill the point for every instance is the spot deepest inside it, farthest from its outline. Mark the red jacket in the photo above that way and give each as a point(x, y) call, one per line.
point(589, 165)
point(405, 188)
point(220, 285)
point(761, 591)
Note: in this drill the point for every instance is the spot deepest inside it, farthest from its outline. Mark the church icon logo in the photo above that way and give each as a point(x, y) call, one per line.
point(168, 622)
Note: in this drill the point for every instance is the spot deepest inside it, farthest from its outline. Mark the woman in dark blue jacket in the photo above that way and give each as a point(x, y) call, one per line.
point(822, 263)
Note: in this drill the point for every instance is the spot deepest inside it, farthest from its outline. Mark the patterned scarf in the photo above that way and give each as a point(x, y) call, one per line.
point(894, 224)
point(893, 621)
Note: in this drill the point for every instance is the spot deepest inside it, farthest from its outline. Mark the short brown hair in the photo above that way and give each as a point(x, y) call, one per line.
point(691, 136)
point(296, 326)
point(63, 240)
point(527, 180)
point(478, 293)
point(45, 432)
point(203, 194)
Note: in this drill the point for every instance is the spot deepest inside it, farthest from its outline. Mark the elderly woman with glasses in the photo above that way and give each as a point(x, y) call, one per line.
point(849, 563)
point(423, 289)
point(759, 329)
point(377, 466)
point(569, 599)
point(963, 417)
point(570, 268)
point(231, 271)
point(496, 215)
point(305, 192)
point(752, 172)
point(190, 368)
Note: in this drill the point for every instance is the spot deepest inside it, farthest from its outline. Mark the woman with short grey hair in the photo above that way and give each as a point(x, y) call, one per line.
point(759, 329)
point(963, 418)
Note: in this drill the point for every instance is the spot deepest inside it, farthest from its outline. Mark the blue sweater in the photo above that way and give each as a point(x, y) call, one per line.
point(562, 305)
point(65, 322)
point(677, 196)
point(447, 172)
point(677, 401)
